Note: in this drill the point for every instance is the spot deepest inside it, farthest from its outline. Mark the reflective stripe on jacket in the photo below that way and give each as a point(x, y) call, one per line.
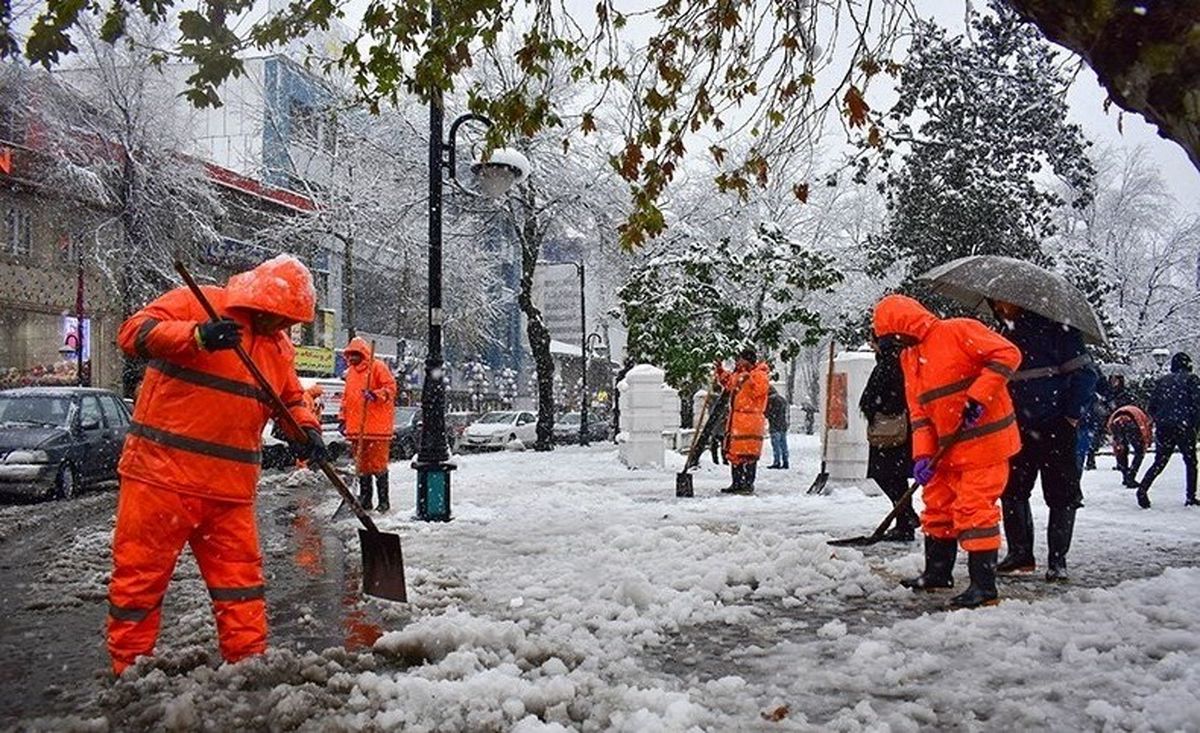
point(198, 422)
point(381, 414)
point(953, 360)
point(746, 422)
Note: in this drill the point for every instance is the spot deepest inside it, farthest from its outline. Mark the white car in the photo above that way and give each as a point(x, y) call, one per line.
point(497, 429)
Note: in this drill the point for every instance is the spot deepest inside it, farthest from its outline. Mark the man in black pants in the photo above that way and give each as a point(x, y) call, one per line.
point(1175, 407)
point(1056, 382)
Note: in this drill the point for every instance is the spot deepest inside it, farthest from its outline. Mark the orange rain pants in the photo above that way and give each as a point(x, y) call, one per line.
point(960, 504)
point(370, 456)
point(153, 525)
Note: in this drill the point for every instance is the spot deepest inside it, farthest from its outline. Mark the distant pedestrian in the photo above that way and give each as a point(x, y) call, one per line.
point(747, 385)
point(1175, 408)
point(1051, 392)
point(777, 424)
point(1131, 431)
point(1092, 425)
point(889, 461)
point(720, 414)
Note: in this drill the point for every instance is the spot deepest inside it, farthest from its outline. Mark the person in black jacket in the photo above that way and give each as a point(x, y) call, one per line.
point(890, 466)
point(777, 425)
point(1175, 408)
point(1055, 384)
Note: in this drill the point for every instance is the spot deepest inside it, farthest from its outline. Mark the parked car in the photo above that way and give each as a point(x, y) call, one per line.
point(495, 430)
point(406, 436)
point(566, 428)
point(456, 427)
point(54, 441)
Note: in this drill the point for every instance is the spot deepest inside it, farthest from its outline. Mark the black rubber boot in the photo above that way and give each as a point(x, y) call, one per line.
point(364, 491)
point(1143, 496)
point(381, 486)
point(1058, 537)
point(982, 591)
point(735, 471)
point(749, 473)
point(939, 566)
point(1018, 533)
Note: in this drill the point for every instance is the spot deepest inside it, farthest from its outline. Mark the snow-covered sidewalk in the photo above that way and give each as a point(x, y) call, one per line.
point(572, 593)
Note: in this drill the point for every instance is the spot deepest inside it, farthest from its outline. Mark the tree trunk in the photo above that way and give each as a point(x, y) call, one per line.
point(348, 286)
point(535, 328)
point(1147, 55)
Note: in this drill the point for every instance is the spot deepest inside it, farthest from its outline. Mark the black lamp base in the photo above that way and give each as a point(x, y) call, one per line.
point(433, 492)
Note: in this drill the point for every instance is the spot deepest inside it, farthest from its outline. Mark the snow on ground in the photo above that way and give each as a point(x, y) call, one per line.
point(572, 593)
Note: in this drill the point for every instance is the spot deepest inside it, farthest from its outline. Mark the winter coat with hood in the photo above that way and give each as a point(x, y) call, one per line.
point(745, 425)
point(198, 422)
point(884, 395)
point(777, 412)
point(1056, 379)
point(950, 362)
point(380, 412)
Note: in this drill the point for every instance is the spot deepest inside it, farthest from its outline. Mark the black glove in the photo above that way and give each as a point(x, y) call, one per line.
point(216, 335)
point(312, 450)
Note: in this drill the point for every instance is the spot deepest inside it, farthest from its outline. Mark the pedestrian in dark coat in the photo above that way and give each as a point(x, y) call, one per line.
point(1091, 427)
point(1054, 386)
point(777, 425)
point(890, 466)
point(1175, 408)
point(720, 415)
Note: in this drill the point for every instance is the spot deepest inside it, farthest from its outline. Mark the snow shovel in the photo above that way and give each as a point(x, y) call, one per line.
point(683, 479)
point(877, 535)
point(383, 562)
point(362, 429)
point(822, 479)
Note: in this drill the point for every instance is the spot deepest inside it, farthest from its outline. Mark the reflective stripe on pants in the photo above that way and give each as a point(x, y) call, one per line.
point(153, 525)
point(961, 504)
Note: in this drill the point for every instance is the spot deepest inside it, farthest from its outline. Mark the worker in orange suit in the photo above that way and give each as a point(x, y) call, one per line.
point(964, 430)
point(190, 464)
point(368, 419)
point(748, 385)
point(314, 404)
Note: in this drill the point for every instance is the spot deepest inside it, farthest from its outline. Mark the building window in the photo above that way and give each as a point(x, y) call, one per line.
point(18, 232)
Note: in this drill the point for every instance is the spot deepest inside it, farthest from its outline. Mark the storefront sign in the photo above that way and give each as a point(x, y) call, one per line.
point(314, 359)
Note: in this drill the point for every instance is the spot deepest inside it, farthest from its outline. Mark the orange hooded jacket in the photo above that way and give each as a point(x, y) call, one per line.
point(198, 422)
point(381, 414)
point(954, 360)
point(747, 419)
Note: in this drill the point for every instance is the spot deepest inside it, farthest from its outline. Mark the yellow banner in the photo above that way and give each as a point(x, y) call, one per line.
point(314, 359)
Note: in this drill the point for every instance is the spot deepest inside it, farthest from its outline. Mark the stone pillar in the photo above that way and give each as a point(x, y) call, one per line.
point(640, 442)
point(847, 455)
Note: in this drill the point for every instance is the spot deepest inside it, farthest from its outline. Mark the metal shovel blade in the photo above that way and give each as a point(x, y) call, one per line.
point(819, 483)
point(383, 565)
point(683, 485)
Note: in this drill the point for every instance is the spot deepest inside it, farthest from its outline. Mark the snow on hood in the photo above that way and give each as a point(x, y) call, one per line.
point(281, 286)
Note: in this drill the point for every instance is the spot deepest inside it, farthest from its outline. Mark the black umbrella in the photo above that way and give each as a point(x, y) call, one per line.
point(972, 280)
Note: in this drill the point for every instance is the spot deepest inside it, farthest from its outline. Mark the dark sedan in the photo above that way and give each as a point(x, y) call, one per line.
point(56, 440)
point(566, 428)
point(407, 433)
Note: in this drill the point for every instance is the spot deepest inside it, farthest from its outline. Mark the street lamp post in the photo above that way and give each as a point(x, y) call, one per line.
point(586, 403)
point(433, 459)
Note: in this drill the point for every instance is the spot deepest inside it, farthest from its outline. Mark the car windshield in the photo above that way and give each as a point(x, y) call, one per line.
point(404, 415)
point(49, 410)
point(571, 418)
point(498, 417)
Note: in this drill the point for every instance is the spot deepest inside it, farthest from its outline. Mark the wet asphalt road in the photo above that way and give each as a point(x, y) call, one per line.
point(55, 561)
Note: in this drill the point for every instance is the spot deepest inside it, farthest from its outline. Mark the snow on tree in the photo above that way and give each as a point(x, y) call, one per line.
point(1142, 256)
point(979, 127)
point(688, 304)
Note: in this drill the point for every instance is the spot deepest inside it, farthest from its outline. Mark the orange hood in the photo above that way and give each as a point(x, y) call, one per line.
point(358, 346)
point(903, 315)
point(281, 286)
